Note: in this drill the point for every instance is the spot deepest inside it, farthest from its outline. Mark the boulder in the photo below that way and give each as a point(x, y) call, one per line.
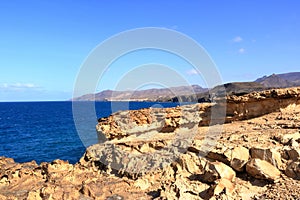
point(262, 169)
point(191, 163)
point(293, 154)
point(236, 157)
point(239, 156)
point(220, 153)
point(217, 170)
point(270, 155)
point(293, 170)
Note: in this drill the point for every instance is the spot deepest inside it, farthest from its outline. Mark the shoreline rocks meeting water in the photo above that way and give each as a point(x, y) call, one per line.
point(178, 153)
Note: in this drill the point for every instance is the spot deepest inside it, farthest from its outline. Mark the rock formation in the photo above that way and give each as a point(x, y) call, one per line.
point(173, 153)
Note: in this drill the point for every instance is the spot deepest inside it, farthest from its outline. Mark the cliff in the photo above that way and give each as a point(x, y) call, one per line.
point(179, 153)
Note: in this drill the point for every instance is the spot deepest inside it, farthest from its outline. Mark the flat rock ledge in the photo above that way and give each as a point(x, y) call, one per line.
point(159, 154)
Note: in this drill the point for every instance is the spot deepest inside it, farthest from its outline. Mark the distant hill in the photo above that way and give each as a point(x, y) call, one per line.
point(195, 93)
point(142, 95)
point(237, 88)
point(280, 80)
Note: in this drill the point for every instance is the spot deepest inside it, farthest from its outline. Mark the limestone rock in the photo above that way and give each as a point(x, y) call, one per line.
point(34, 195)
point(220, 153)
point(152, 153)
point(270, 155)
point(223, 186)
point(262, 169)
point(236, 157)
point(156, 120)
point(187, 189)
point(142, 183)
point(58, 170)
point(125, 123)
point(217, 170)
point(191, 163)
point(259, 103)
point(284, 139)
point(239, 156)
point(293, 170)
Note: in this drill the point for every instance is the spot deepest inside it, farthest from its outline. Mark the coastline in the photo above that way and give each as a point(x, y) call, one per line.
point(261, 133)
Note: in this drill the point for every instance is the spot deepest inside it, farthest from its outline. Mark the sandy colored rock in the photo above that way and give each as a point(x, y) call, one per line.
point(223, 187)
point(151, 154)
point(284, 139)
point(189, 189)
point(236, 157)
point(270, 155)
point(191, 163)
point(239, 156)
point(217, 170)
point(262, 169)
point(232, 108)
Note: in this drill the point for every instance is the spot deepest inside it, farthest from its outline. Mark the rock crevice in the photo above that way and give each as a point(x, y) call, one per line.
point(158, 154)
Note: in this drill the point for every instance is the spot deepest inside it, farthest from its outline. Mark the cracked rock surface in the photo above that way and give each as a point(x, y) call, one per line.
point(173, 154)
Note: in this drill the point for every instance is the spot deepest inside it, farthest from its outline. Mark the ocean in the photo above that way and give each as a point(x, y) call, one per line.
point(45, 131)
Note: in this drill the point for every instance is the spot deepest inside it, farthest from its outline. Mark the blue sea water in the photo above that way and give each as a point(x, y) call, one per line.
point(44, 131)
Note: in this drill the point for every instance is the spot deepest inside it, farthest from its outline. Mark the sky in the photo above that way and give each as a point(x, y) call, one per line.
point(44, 44)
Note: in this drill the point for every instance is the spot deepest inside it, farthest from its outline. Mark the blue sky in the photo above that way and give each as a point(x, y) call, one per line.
point(44, 43)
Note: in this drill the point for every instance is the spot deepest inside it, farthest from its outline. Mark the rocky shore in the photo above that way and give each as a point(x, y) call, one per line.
point(178, 153)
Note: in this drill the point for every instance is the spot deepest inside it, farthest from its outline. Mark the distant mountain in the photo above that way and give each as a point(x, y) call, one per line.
point(280, 80)
point(142, 95)
point(237, 88)
point(195, 93)
point(240, 88)
point(292, 76)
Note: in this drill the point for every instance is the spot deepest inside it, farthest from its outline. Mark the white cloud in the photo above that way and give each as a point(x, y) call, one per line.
point(18, 86)
point(242, 50)
point(237, 39)
point(30, 92)
point(192, 72)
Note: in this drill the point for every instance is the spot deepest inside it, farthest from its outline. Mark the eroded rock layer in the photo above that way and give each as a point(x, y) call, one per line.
point(232, 108)
point(159, 154)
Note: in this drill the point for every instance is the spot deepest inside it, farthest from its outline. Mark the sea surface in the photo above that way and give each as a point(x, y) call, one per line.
point(45, 131)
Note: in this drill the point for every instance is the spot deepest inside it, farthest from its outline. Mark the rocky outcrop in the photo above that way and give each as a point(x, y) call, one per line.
point(159, 154)
point(270, 155)
point(236, 157)
point(260, 103)
point(262, 170)
point(233, 108)
point(59, 180)
point(217, 170)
